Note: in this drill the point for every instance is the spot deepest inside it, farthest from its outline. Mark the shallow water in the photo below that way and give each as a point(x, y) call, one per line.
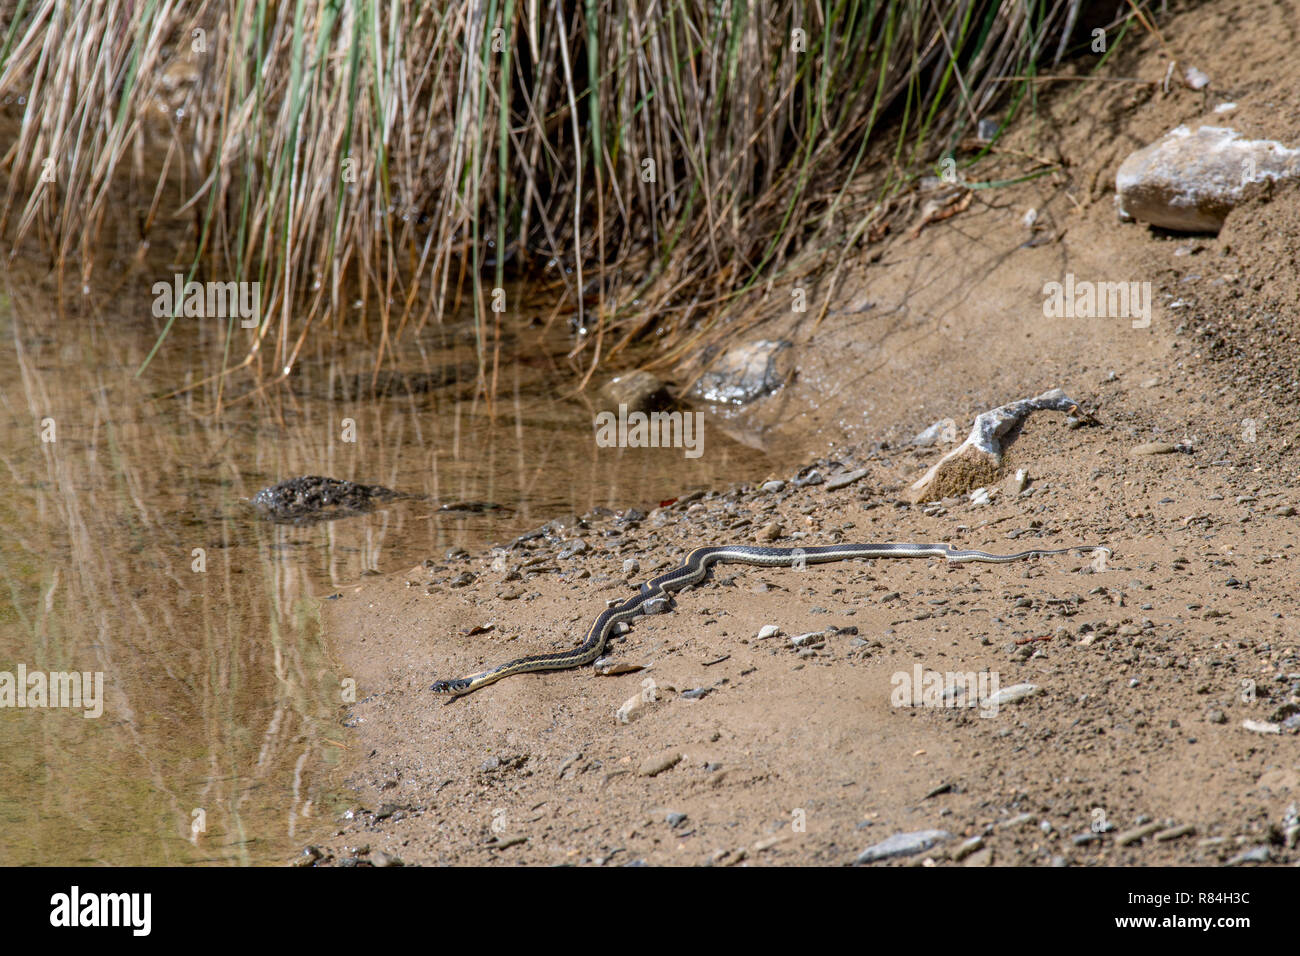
point(129, 550)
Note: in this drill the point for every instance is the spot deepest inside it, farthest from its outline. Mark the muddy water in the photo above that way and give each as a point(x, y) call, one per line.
point(128, 550)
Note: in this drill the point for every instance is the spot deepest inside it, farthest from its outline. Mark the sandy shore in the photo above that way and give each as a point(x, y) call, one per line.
point(1162, 726)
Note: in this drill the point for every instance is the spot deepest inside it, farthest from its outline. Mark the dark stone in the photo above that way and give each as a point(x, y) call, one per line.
point(639, 391)
point(313, 498)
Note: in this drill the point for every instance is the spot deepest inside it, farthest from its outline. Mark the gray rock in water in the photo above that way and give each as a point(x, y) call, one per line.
point(744, 373)
point(639, 391)
point(1190, 181)
point(903, 844)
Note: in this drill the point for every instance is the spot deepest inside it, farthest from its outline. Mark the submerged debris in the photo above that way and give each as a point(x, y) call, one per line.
point(313, 498)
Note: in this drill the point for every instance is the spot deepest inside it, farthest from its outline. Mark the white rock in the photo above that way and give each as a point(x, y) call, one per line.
point(1010, 695)
point(632, 707)
point(1195, 78)
point(903, 844)
point(745, 373)
point(606, 667)
point(1262, 727)
point(945, 430)
point(1189, 181)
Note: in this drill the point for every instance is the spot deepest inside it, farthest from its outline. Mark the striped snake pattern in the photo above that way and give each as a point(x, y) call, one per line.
point(696, 568)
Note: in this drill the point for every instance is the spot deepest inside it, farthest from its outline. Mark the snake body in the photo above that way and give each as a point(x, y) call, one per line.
point(696, 568)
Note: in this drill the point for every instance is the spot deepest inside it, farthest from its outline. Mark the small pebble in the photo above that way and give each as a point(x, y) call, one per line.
point(606, 667)
point(1018, 820)
point(846, 479)
point(656, 605)
point(1257, 854)
point(1261, 727)
point(1173, 833)
point(1153, 448)
point(1136, 834)
point(1012, 694)
point(576, 546)
point(653, 766)
point(903, 844)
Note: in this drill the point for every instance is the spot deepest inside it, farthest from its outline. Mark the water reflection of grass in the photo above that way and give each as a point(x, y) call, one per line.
point(219, 687)
point(216, 683)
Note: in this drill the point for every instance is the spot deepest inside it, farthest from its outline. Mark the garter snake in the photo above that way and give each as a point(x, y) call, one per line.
point(696, 568)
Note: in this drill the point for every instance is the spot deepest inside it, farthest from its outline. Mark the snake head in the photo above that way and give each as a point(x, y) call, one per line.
point(457, 686)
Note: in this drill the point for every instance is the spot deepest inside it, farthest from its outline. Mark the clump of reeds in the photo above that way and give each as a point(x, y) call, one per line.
point(651, 158)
